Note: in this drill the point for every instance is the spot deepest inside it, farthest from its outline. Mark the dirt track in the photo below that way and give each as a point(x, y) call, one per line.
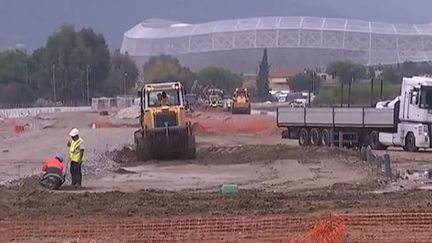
point(28, 202)
point(262, 167)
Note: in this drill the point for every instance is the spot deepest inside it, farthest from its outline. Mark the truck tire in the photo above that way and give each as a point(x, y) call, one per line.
point(304, 137)
point(410, 143)
point(374, 141)
point(315, 138)
point(325, 137)
point(190, 151)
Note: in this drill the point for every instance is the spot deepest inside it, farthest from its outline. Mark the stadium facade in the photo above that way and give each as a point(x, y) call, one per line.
point(292, 42)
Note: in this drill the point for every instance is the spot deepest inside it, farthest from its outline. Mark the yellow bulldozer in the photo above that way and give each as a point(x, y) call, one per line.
point(241, 102)
point(164, 132)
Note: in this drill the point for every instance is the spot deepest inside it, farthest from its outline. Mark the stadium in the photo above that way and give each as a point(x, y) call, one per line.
point(292, 42)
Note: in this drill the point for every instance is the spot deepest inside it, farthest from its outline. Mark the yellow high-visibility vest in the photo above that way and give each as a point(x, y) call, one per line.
point(75, 150)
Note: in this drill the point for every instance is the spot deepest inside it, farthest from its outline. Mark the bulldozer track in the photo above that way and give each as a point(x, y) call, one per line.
point(370, 227)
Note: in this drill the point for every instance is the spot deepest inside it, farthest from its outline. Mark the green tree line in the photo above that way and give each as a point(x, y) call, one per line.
point(167, 69)
point(360, 77)
point(59, 70)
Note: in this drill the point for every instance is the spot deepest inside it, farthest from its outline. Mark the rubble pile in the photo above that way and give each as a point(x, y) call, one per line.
point(128, 113)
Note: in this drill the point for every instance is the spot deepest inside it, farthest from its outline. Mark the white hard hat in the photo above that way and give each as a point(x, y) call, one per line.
point(74, 132)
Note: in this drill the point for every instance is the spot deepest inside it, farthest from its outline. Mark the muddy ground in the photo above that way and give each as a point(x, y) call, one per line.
point(28, 202)
point(274, 176)
point(24, 199)
point(264, 167)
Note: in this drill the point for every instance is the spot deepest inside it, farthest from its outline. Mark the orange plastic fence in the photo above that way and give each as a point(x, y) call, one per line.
point(328, 229)
point(235, 124)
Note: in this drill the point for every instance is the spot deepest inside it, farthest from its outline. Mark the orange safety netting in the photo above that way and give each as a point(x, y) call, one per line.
point(328, 229)
point(230, 124)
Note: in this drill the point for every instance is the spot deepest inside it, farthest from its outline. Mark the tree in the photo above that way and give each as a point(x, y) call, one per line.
point(66, 56)
point(220, 78)
point(263, 78)
point(391, 75)
point(122, 75)
point(303, 81)
point(13, 65)
point(167, 69)
point(99, 59)
point(346, 69)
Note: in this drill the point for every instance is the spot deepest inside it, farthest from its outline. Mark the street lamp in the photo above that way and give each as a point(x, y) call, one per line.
point(88, 83)
point(124, 82)
point(54, 83)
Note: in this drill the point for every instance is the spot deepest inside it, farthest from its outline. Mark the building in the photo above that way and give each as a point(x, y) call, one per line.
point(278, 79)
point(294, 42)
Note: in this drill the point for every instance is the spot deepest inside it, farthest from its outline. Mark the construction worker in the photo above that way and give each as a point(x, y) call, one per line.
point(76, 156)
point(54, 173)
point(165, 100)
point(159, 99)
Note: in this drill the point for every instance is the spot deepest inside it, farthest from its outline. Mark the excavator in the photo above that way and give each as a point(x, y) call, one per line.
point(241, 102)
point(215, 97)
point(164, 132)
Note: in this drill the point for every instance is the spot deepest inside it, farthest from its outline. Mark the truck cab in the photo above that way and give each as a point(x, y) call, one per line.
point(416, 100)
point(415, 115)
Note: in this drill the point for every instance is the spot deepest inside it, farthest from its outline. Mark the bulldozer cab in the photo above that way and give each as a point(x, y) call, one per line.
point(163, 104)
point(241, 103)
point(165, 94)
point(241, 95)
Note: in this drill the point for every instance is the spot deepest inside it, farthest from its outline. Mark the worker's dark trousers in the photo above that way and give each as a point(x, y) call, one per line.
point(75, 169)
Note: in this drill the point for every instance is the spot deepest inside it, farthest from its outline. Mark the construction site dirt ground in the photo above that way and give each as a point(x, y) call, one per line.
point(274, 177)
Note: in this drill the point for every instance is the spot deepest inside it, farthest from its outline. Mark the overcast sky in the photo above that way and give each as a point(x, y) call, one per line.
point(31, 21)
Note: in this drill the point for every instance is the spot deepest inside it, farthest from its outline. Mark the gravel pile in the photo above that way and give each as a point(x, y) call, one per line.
point(128, 113)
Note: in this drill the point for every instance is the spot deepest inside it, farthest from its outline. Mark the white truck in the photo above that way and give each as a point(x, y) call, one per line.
point(406, 124)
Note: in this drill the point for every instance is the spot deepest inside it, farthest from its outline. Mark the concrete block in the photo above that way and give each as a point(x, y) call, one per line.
point(387, 166)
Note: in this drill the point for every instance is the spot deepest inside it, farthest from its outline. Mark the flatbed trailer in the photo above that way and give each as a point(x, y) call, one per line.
point(407, 124)
point(324, 126)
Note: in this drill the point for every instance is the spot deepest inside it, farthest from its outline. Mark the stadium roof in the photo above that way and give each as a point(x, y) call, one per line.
point(145, 30)
point(300, 41)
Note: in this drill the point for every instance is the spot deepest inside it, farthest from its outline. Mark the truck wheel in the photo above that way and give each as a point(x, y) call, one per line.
point(142, 147)
point(189, 151)
point(374, 141)
point(410, 143)
point(325, 137)
point(304, 137)
point(315, 137)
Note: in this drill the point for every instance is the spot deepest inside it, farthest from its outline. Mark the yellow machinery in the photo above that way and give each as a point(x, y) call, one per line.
point(164, 133)
point(241, 102)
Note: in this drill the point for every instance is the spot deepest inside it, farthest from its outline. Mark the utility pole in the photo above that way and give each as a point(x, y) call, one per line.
point(310, 88)
point(26, 68)
point(124, 82)
point(88, 83)
point(351, 80)
point(54, 83)
point(313, 81)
